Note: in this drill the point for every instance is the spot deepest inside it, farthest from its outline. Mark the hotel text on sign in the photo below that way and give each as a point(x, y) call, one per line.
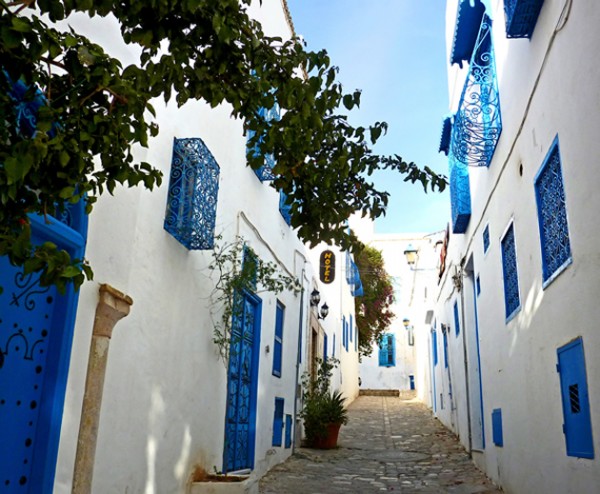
point(327, 266)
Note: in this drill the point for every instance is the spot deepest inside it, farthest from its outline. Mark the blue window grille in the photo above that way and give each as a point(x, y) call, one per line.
point(288, 431)
point(265, 172)
point(468, 20)
point(445, 338)
point(552, 216)
point(512, 301)
point(577, 425)
point(460, 195)
point(387, 350)
point(193, 190)
point(446, 134)
point(434, 349)
point(285, 208)
point(278, 422)
point(486, 238)
point(456, 319)
point(278, 342)
point(521, 17)
point(325, 346)
point(497, 435)
point(478, 123)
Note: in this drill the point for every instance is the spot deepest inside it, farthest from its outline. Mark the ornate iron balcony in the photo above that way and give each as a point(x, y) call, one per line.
point(521, 17)
point(193, 191)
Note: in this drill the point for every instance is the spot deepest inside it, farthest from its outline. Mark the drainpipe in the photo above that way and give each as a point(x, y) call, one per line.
point(112, 306)
point(465, 359)
point(300, 332)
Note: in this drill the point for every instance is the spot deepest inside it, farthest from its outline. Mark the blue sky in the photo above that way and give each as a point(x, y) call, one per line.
point(394, 51)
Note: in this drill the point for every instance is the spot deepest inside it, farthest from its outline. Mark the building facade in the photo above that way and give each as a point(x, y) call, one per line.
point(516, 303)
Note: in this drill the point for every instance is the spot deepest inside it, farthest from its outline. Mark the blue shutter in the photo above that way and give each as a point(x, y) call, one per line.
point(278, 422)
point(391, 350)
point(456, 319)
point(387, 351)
point(383, 352)
point(325, 347)
point(278, 343)
point(575, 400)
point(288, 431)
point(445, 336)
point(350, 329)
point(497, 435)
point(434, 350)
point(521, 17)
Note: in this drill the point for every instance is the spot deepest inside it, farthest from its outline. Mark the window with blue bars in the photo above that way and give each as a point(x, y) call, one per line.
point(486, 238)
point(387, 350)
point(278, 422)
point(521, 17)
point(193, 191)
point(552, 216)
point(512, 301)
point(265, 172)
point(278, 341)
point(456, 319)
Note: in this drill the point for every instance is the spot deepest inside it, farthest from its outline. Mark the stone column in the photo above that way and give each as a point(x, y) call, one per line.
point(112, 306)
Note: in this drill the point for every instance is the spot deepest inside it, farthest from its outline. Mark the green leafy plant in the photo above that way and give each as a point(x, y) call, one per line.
point(96, 111)
point(321, 406)
point(237, 270)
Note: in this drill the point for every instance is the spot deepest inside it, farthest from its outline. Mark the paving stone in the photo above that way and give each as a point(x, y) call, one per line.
point(390, 444)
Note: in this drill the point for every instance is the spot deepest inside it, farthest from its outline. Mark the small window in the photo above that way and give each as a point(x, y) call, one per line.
point(478, 285)
point(278, 422)
point(512, 301)
point(387, 351)
point(486, 238)
point(456, 319)
point(278, 342)
point(552, 216)
point(193, 191)
point(497, 435)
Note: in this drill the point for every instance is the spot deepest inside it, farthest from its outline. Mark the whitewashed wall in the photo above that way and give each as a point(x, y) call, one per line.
point(163, 411)
point(549, 86)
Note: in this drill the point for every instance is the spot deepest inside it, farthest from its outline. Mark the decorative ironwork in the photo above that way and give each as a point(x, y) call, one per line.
point(521, 17)
point(460, 195)
point(468, 20)
point(478, 123)
point(552, 215)
point(285, 208)
point(486, 238)
point(29, 286)
point(265, 172)
point(193, 191)
point(19, 343)
point(512, 301)
point(446, 136)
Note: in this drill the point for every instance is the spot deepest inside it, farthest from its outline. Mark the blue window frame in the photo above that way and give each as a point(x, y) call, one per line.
point(486, 238)
point(434, 349)
point(552, 216)
point(285, 208)
point(497, 435)
point(278, 341)
point(445, 337)
point(456, 319)
point(577, 425)
point(288, 431)
point(512, 301)
point(521, 17)
point(193, 191)
point(278, 422)
point(387, 350)
point(325, 346)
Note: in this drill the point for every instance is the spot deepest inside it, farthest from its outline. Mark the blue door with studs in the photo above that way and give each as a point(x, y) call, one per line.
point(36, 327)
point(240, 426)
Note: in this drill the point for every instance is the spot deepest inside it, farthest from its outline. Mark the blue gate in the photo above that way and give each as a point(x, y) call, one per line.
point(240, 426)
point(36, 328)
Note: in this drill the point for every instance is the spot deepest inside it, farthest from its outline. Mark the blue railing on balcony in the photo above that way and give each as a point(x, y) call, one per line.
point(265, 172)
point(521, 17)
point(468, 20)
point(193, 190)
point(460, 195)
point(446, 135)
point(478, 123)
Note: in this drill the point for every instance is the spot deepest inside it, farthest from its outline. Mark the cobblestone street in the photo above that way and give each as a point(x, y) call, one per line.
point(390, 444)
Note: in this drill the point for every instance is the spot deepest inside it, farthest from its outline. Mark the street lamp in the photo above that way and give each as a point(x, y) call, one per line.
point(315, 299)
point(411, 255)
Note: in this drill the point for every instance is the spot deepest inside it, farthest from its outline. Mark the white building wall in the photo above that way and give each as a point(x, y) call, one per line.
point(163, 410)
point(548, 87)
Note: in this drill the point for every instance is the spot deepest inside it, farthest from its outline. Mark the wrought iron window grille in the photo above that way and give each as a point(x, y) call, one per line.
point(478, 123)
point(552, 216)
point(521, 17)
point(512, 301)
point(486, 238)
point(193, 191)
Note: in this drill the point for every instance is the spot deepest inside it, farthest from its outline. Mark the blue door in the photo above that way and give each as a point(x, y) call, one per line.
point(240, 427)
point(36, 328)
point(575, 400)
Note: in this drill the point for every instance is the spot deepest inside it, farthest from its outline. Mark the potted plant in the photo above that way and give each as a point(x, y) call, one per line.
point(323, 410)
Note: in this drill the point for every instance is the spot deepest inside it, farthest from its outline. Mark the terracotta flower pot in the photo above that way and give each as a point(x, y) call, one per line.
point(329, 441)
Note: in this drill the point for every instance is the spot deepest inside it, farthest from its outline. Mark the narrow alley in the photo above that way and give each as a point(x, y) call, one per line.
point(390, 444)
